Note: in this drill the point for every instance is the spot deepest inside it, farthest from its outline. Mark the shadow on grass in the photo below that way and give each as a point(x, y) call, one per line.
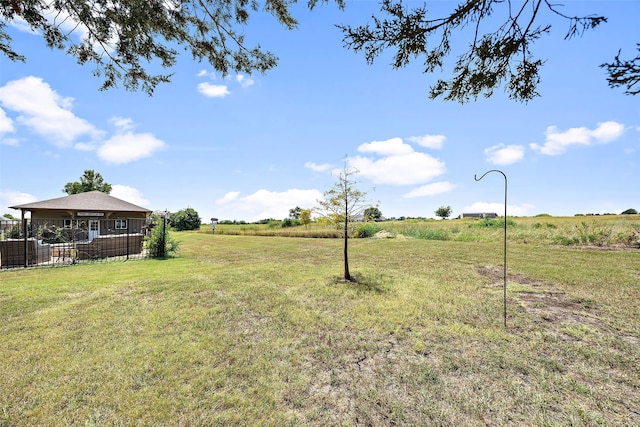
point(376, 283)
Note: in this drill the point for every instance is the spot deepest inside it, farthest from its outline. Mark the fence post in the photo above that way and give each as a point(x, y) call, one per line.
point(25, 236)
point(165, 216)
point(164, 236)
point(128, 221)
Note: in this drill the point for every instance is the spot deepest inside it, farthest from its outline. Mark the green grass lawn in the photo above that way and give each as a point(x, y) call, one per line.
point(248, 330)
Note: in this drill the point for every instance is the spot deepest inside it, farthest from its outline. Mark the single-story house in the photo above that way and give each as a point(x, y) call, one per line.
point(80, 226)
point(481, 215)
point(96, 212)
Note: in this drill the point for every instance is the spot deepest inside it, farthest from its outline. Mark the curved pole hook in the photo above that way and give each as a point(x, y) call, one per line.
point(492, 170)
point(505, 239)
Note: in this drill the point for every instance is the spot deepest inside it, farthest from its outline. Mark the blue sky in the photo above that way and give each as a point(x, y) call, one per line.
point(253, 147)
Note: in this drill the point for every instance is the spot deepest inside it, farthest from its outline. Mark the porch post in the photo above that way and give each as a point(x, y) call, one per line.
point(128, 223)
point(25, 246)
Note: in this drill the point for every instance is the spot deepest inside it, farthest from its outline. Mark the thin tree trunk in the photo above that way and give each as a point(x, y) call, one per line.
point(347, 276)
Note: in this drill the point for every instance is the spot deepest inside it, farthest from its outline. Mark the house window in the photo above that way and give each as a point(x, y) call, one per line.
point(70, 223)
point(121, 224)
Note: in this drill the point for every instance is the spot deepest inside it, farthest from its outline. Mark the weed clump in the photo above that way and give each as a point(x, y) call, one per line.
point(428, 234)
point(367, 229)
point(492, 223)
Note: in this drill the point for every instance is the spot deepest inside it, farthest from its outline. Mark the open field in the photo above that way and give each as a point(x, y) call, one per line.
point(249, 330)
point(601, 231)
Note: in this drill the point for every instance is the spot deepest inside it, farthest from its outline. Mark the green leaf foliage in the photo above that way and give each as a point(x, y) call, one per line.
point(499, 36)
point(444, 212)
point(161, 243)
point(125, 39)
point(185, 219)
point(89, 181)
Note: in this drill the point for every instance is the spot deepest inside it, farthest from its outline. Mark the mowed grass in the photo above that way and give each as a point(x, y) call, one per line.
point(245, 330)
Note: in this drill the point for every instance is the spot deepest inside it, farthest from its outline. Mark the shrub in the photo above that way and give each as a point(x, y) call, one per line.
point(290, 222)
point(185, 219)
point(14, 232)
point(594, 234)
point(632, 238)
point(566, 241)
point(161, 244)
point(372, 214)
point(367, 229)
point(53, 235)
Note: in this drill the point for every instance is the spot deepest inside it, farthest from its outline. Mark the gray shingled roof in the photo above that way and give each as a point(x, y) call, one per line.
point(89, 201)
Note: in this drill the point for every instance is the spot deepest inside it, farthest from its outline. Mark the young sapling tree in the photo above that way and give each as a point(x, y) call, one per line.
point(344, 203)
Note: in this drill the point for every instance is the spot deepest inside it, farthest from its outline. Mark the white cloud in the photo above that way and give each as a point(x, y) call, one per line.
point(316, 167)
point(6, 124)
point(129, 194)
point(429, 141)
point(244, 81)
point(431, 190)
point(525, 209)
point(122, 123)
point(14, 198)
point(213, 91)
point(219, 91)
point(504, 155)
point(67, 25)
point(128, 147)
point(266, 204)
point(558, 142)
point(390, 147)
point(211, 75)
point(20, 24)
point(607, 132)
point(45, 112)
point(400, 164)
point(14, 142)
point(85, 146)
point(228, 197)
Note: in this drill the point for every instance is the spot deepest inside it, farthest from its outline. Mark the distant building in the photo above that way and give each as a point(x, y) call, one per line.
point(6, 223)
point(481, 215)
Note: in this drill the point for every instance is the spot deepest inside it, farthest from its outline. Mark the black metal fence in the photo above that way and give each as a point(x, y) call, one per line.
point(51, 242)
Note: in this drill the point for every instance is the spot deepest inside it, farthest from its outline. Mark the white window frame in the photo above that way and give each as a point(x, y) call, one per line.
point(121, 224)
point(70, 223)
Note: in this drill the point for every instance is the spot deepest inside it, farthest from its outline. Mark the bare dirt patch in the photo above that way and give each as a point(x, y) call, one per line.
point(551, 306)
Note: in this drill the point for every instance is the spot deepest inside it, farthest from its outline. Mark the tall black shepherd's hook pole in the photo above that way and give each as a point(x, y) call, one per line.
point(505, 240)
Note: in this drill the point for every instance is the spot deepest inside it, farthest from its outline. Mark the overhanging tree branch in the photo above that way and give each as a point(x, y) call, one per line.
point(624, 73)
point(500, 57)
point(127, 41)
